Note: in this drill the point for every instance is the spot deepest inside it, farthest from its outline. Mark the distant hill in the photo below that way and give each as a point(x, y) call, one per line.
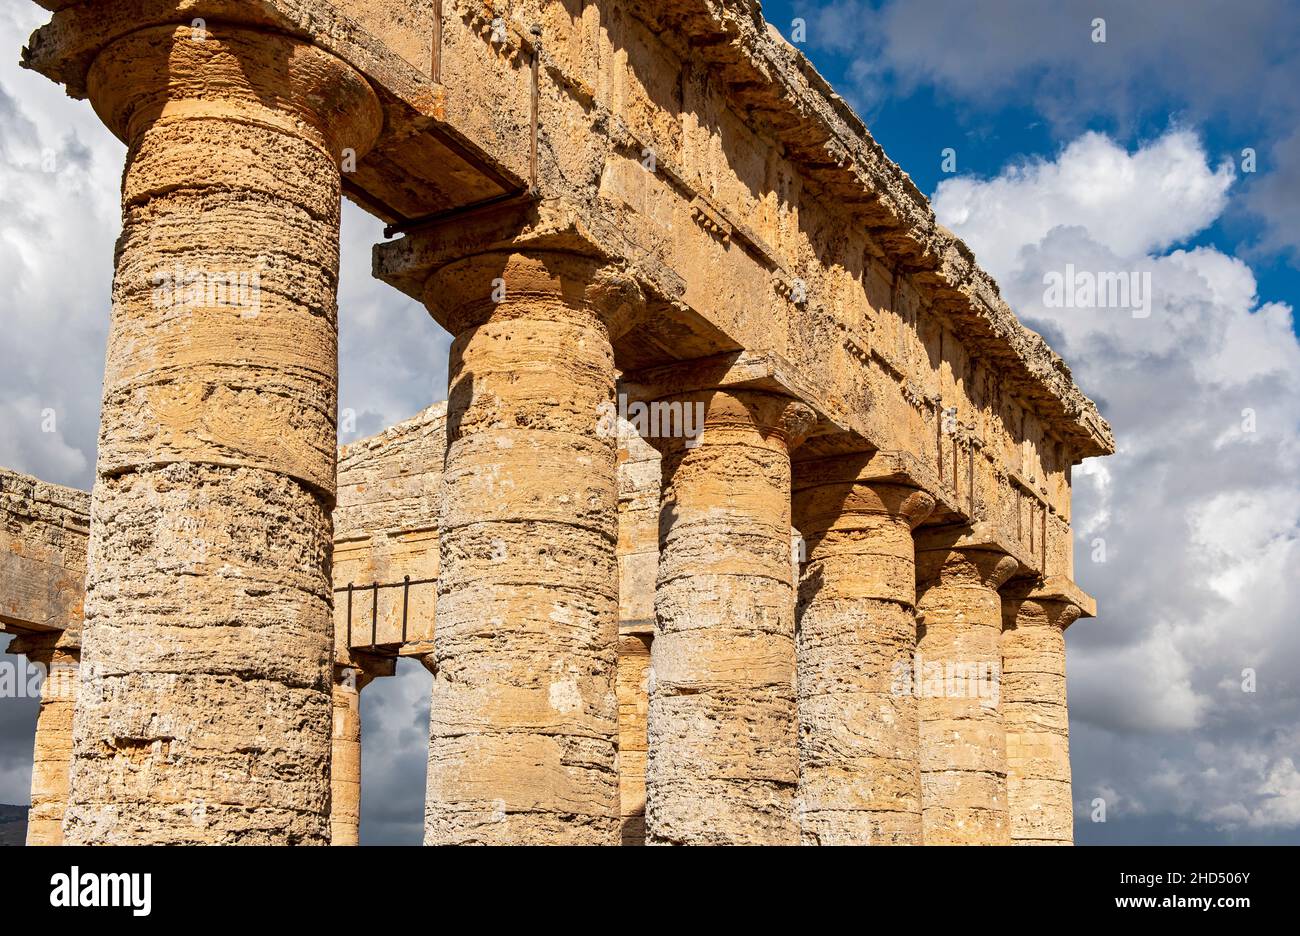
point(13, 824)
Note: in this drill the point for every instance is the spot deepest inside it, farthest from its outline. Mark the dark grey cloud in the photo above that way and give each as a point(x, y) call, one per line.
point(395, 750)
point(17, 732)
point(1202, 57)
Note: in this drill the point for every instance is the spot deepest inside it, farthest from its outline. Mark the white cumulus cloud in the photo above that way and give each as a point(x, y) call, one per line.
point(1197, 512)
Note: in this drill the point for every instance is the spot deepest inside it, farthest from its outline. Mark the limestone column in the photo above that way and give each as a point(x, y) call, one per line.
point(524, 728)
point(859, 773)
point(205, 711)
point(1037, 719)
point(52, 749)
point(957, 675)
point(345, 761)
point(633, 700)
point(723, 751)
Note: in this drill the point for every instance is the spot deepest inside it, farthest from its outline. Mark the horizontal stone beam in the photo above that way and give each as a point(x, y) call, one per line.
point(43, 537)
point(36, 595)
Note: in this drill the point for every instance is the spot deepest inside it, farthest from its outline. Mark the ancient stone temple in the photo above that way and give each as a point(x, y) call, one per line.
point(747, 517)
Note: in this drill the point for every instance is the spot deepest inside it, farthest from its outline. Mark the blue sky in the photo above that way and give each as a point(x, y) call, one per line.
point(915, 116)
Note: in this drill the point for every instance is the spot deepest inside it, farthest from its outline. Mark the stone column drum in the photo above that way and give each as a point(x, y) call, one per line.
point(859, 774)
point(345, 768)
point(1037, 719)
point(958, 677)
point(524, 727)
point(205, 716)
point(52, 748)
point(633, 675)
point(723, 752)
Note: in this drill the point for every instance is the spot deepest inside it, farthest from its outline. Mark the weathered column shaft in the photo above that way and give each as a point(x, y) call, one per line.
point(206, 714)
point(723, 750)
point(345, 759)
point(859, 773)
point(1037, 719)
point(524, 728)
point(957, 675)
point(633, 700)
point(52, 748)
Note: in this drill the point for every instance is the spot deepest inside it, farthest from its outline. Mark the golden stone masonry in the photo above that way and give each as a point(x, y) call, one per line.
point(811, 588)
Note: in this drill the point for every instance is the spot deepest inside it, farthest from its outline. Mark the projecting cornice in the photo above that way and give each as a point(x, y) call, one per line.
point(778, 88)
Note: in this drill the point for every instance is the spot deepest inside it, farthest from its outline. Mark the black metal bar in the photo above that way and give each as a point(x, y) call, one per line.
point(414, 224)
point(428, 581)
point(436, 71)
point(349, 590)
point(406, 595)
point(1042, 544)
point(970, 480)
point(374, 615)
point(536, 108)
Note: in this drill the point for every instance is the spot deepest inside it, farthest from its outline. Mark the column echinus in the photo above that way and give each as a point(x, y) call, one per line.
point(957, 676)
point(859, 774)
point(523, 740)
point(1037, 719)
point(204, 714)
point(723, 757)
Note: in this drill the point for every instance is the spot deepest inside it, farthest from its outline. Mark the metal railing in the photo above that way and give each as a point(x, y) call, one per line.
point(405, 585)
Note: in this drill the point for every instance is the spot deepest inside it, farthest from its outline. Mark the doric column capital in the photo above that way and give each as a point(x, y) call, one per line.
point(225, 72)
point(1046, 612)
point(361, 672)
point(39, 648)
point(842, 491)
point(227, 266)
point(779, 419)
point(985, 566)
point(499, 286)
point(1055, 600)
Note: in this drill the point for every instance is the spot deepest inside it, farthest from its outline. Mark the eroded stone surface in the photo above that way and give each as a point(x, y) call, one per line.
point(769, 232)
point(1037, 720)
point(963, 747)
point(386, 531)
point(204, 713)
point(859, 773)
point(524, 729)
point(633, 741)
point(724, 760)
point(43, 536)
